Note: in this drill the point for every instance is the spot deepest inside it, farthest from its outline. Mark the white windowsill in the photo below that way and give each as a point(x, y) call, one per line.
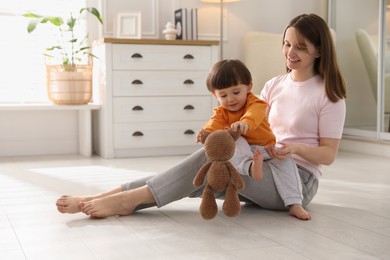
point(46, 106)
point(84, 118)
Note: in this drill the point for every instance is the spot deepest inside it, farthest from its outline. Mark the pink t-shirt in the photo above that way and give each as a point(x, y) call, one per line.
point(300, 112)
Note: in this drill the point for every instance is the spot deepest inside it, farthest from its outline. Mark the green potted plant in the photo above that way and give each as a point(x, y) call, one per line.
point(69, 81)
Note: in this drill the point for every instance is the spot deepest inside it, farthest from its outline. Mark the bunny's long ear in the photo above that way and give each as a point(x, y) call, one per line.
point(234, 134)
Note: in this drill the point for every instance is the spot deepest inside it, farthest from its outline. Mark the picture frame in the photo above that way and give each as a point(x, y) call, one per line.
point(128, 25)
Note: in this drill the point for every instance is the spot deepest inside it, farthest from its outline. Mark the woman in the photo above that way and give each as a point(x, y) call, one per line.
point(306, 110)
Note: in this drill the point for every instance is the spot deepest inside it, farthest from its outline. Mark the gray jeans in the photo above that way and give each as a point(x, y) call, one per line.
point(176, 183)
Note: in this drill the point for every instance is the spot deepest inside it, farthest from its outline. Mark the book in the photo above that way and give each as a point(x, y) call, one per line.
point(194, 24)
point(189, 24)
point(181, 23)
point(186, 22)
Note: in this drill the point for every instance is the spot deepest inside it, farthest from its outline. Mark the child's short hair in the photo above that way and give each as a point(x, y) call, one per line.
point(228, 73)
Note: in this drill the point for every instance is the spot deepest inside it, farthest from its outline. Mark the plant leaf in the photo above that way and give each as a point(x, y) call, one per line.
point(32, 25)
point(55, 20)
point(43, 20)
point(31, 15)
point(83, 40)
point(85, 48)
point(71, 23)
point(48, 55)
point(56, 47)
point(93, 11)
point(91, 55)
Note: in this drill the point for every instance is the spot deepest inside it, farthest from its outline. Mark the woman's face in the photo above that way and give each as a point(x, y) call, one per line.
point(300, 54)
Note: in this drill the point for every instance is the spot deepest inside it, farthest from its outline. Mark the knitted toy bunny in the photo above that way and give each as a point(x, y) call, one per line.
point(219, 147)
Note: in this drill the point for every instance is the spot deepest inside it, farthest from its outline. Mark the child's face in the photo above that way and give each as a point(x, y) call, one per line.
point(233, 98)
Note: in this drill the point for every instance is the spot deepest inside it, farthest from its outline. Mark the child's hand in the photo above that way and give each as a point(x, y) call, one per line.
point(240, 125)
point(199, 135)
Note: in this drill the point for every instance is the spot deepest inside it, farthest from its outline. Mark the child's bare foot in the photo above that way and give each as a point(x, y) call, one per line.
point(299, 212)
point(257, 165)
point(116, 204)
point(71, 204)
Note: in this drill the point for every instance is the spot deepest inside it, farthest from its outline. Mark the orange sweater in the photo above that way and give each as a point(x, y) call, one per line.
point(253, 113)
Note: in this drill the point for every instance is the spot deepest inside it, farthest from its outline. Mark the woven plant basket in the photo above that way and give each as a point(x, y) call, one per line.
point(69, 85)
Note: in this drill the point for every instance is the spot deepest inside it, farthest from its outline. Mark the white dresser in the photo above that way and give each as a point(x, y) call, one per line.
point(153, 96)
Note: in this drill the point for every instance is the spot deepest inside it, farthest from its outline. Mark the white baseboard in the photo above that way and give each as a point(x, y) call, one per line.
point(378, 148)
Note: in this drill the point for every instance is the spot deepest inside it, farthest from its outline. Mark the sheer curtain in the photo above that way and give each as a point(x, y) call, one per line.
point(22, 65)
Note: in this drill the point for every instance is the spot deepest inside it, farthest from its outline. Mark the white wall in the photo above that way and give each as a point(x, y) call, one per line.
point(55, 132)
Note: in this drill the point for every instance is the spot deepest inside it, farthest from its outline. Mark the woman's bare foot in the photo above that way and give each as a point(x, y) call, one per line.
point(299, 212)
point(257, 165)
point(71, 204)
point(122, 203)
point(117, 204)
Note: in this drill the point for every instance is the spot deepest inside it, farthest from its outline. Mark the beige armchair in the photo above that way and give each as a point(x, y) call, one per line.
point(263, 57)
point(368, 51)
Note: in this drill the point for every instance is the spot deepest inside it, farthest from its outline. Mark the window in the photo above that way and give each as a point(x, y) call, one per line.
point(22, 66)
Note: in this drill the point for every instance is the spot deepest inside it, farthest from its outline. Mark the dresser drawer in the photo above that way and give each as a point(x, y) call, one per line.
point(143, 109)
point(163, 134)
point(161, 57)
point(159, 83)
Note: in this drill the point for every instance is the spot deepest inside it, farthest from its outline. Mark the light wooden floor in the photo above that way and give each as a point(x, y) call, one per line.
point(351, 216)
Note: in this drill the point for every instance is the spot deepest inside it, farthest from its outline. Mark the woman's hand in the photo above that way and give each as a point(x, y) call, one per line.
point(278, 153)
point(324, 154)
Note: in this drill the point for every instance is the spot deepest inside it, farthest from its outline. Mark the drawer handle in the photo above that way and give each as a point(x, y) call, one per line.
point(189, 107)
point(188, 82)
point(138, 133)
point(136, 56)
point(137, 108)
point(188, 57)
point(137, 82)
point(189, 132)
